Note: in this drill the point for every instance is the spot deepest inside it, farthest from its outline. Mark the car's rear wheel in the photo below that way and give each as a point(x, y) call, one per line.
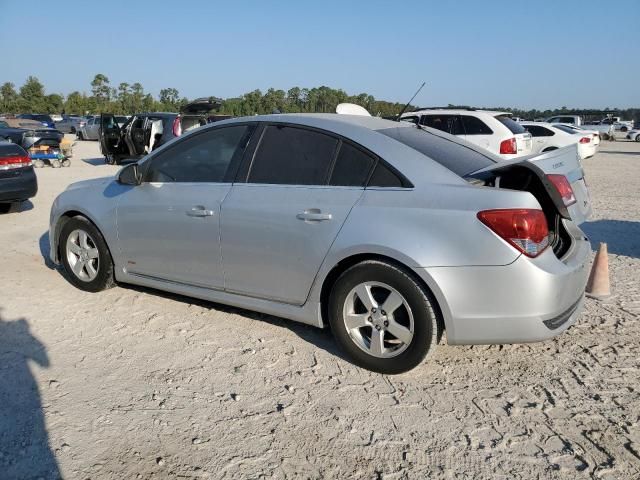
point(638, 138)
point(382, 317)
point(85, 256)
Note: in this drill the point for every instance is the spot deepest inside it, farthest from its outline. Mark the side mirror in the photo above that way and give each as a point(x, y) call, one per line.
point(130, 175)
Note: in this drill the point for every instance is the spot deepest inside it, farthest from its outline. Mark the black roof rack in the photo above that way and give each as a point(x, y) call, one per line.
point(453, 107)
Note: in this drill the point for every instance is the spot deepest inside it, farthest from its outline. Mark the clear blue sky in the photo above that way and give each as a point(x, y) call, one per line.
point(535, 54)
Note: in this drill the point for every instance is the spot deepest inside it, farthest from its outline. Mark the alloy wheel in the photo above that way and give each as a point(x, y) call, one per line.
point(378, 319)
point(82, 255)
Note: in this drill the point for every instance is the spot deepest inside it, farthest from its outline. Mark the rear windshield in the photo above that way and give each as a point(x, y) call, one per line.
point(511, 124)
point(570, 130)
point(42, 118)
point(458, 158)
point(11, 150)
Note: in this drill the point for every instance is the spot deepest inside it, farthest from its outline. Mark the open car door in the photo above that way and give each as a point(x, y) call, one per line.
point(135, 137)
point(110, 135)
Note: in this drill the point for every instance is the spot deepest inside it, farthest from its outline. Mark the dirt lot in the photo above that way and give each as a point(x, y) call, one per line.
point(133, 383)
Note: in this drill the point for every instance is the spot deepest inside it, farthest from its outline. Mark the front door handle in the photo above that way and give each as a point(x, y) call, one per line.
point(314, 215)
point(200, 211)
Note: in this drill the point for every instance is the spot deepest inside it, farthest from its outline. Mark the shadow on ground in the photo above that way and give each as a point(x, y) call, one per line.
point(321, 338)
point(621, 236)
point(45, 248)
point(16, 207)
point(24, 442)
point(610, 152)
point(96, 162)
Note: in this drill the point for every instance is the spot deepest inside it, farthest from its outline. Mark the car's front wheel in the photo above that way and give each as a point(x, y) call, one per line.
point(382, 317)
point(85, 256)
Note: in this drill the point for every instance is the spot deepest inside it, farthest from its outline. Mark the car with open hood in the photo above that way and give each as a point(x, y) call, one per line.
point(144, 132)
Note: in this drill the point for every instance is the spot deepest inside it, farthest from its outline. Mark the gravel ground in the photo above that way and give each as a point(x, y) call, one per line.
point(133, 383)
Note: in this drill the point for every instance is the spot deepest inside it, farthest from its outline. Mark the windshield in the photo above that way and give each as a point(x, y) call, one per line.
point(121, 119)
point(457, 157)
point(511, 124)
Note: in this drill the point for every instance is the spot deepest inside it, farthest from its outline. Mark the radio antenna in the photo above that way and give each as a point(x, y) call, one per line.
point(409, 103)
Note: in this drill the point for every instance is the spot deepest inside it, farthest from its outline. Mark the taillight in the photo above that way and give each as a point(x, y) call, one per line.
point(508, 146)
point(177, 126)
point(564, 188)
point(8, 163)
point(585, 140)
point(525, 229)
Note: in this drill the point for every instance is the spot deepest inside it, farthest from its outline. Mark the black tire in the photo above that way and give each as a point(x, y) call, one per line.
point(73, 130)
point(104, 278)
point(638, 138)
point(80, 136)
point(421, 303)
point(5, 207)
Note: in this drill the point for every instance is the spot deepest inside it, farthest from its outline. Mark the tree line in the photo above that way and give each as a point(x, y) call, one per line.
point(127, 99)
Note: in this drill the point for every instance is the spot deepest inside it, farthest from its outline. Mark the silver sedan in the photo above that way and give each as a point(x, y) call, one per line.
point(392, 234)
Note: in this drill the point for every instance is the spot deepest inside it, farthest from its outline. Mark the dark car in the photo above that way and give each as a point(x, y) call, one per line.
point(144, 132)
point(17, 179)
point(46, 120)
point(29, 133)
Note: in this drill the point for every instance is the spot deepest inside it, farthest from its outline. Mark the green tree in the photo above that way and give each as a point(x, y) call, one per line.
point(31, 98)
point(100, 89)
point(8, 98)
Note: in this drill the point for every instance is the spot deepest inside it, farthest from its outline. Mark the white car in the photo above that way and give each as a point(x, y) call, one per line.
point(634, 135)
point(494, 131)
point(547, 137)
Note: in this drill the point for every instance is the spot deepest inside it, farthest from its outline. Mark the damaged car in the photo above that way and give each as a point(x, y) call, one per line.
point(144, 132)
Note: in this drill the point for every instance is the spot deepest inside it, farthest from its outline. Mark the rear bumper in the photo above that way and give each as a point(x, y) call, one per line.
point(527, 301)
point(18, 187)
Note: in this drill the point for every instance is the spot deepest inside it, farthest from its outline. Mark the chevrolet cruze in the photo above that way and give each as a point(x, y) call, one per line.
point(393, 234)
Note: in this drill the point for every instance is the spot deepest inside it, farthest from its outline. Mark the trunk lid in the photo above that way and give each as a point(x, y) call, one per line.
point(566, 161)
point(201, 106)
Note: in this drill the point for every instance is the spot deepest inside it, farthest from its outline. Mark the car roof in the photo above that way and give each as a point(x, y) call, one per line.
point(456, 111)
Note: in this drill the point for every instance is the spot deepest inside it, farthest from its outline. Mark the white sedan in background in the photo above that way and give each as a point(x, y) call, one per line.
point(547, 137)
point(634, 135)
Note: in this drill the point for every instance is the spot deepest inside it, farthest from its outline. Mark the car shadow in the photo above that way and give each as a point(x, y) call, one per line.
point(611, 152)
point(96, 162)
point(621, 236)
point(6, 208)
point(320, 337)
point(45, 249)
point(24, 441)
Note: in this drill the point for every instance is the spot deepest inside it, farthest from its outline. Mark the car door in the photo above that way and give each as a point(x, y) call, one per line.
point(169, 226)
point(135, 136)
point(111, 141)
point(279, 224)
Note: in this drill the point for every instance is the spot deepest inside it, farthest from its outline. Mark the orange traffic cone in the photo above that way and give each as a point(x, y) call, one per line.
point(598, 285)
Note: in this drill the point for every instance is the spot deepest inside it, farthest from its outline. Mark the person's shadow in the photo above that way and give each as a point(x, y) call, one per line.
point(24, 442)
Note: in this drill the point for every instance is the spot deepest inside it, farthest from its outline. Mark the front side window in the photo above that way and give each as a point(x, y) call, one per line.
point(446, 123)
point(201, 158)
point(475, 126)
point(292, 156)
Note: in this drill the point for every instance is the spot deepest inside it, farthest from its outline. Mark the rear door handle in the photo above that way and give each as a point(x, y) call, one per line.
point(200, 211)
point(314, 215)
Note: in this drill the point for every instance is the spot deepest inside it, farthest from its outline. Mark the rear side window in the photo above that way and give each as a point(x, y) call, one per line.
point(511, 124)
point(446, 123)
point(383, 176)
point(458, 158)
point(352, 167)
point(293, 156)
point(201, 158)
point(538, 131)
point(475, 126)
